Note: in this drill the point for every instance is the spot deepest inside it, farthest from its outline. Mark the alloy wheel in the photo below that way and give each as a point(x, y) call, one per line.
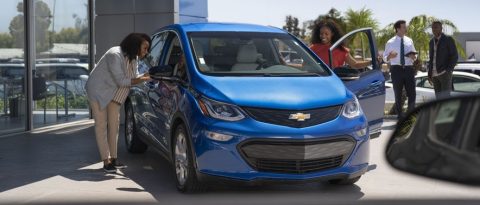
point(181, 158)
point(129, 126)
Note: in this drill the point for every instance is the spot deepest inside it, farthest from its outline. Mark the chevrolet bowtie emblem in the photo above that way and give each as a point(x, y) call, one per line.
point(299, 116)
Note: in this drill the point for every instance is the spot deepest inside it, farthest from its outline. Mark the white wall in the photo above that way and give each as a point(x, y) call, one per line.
point(473, 47)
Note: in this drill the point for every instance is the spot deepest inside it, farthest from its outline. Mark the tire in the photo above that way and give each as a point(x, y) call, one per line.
point(344, 181)
point(133, 143)
point(185, 171)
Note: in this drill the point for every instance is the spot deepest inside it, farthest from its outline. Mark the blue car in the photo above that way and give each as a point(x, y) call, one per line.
point(224, 105)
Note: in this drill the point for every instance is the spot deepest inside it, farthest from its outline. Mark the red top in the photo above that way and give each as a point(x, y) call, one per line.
point(339, 55)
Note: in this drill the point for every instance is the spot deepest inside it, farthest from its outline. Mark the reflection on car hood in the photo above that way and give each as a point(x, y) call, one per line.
point(295, 93)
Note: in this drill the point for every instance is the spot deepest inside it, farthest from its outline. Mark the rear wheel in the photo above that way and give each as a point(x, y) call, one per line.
point(132, 142)
point(344, 181)
point(185, 171)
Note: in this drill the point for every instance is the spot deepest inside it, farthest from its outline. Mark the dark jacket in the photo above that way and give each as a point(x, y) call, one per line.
point(447, 55)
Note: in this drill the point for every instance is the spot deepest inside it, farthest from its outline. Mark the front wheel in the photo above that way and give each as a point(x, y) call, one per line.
point(132, 142)
point(185, 171)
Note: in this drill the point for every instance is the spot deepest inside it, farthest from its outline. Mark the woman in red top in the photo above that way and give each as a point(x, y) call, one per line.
point(324, 34)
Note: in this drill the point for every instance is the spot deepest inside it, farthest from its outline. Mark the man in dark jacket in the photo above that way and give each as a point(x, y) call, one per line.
point(443, 58)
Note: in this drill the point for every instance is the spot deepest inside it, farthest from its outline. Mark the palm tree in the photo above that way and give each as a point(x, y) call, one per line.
point(360, 19)
point(383, 35)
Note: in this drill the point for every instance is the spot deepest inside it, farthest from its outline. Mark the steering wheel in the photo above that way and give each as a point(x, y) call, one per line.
point(262, 64)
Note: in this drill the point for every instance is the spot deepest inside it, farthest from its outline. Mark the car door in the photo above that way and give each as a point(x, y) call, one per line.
point(163, 95)
point(145, 96)
point(423, 89)
point(368, 84)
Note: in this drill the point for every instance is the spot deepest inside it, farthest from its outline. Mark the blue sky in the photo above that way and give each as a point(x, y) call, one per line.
point(465, 14)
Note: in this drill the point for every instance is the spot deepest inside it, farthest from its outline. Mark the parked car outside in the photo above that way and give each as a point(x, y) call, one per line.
point(53, 77)
point(225, 106)
point(463, 83)
point(468, 66)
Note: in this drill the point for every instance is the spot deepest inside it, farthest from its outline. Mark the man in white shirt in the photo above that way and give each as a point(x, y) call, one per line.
point(400, 53)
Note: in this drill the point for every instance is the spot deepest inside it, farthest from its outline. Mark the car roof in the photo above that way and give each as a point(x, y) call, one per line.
point(467, 66)
point(40, 65)
point(458, 73)
point(423, 74)
point(223, 27)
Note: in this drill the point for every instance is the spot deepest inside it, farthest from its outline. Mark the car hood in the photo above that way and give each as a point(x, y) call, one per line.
point(295, 93)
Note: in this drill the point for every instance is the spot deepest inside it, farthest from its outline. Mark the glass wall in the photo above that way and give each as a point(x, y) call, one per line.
point(61, 67)
point(12, 69)
point(61, 63)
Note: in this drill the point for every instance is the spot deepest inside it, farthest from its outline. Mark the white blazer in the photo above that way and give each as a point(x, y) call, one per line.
point(108, 75)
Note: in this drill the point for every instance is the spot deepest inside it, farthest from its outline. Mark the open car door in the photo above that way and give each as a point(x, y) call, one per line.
point(367, 83)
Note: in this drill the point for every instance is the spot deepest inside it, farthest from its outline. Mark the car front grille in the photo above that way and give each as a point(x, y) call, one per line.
point(296, 156)
point(281, 117)
point(297, 166)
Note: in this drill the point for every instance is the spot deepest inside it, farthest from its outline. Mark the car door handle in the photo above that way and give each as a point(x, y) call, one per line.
point(376, 83)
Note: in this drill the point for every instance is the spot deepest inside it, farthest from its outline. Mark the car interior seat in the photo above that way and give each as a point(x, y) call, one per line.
point(175, 55)
point(247, 58)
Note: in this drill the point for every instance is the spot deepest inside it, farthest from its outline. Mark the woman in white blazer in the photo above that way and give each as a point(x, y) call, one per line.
point(107, 88)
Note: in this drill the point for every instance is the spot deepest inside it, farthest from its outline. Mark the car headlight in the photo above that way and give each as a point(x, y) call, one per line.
point(219, 110)
point(351, 109)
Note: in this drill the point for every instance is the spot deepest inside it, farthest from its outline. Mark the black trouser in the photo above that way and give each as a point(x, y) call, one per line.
point(403, 77)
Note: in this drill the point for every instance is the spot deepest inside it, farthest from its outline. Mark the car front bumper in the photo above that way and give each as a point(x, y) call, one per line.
point(227, 160)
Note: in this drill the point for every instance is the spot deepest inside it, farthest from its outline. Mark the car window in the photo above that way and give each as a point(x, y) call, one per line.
point(14, 71)
point(60, 71)
point(356, 46)
point(176, 58)
point(462, 79)
point(465, 84)
point(252, 54)
point(153, 58)
point(448, 121)
point(423, 83)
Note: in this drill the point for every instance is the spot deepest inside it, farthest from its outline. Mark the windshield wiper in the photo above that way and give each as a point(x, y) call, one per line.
point(290, 74)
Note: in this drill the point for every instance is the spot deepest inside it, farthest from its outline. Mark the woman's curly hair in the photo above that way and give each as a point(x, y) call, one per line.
point(132, 43)
point(337, 32)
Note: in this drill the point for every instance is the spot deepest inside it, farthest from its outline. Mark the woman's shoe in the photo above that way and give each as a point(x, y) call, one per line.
point(117, 164)
point(109, 168)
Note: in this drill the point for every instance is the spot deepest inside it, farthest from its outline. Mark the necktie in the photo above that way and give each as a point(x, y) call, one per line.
point(402, 52)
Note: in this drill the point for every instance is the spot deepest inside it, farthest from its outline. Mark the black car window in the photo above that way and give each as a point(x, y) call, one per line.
point(465, 84)
point(153, 58)
point(424, 83)
point(462, 79)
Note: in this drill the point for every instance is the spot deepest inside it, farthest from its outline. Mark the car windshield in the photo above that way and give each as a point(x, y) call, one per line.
point(252, 54)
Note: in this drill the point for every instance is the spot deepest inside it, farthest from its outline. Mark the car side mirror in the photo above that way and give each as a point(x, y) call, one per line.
point(439, 139)
point(161, 71)
point(346, 73)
